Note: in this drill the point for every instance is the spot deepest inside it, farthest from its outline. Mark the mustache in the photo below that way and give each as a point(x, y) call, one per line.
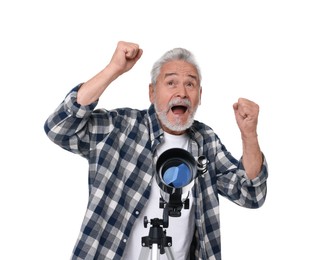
point(179, 102)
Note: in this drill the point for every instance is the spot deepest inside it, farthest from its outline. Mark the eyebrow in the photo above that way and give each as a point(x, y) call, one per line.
point(175, 74)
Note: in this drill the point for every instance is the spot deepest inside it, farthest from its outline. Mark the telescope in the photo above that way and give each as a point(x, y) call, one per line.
point(176, 170)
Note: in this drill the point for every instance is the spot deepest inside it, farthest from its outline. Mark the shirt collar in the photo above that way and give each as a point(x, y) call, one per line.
point(155, 130)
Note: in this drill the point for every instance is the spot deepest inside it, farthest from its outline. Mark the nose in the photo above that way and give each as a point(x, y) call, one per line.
point(181, 91)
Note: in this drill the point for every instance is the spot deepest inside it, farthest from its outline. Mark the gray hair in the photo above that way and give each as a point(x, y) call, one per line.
point(174, 54)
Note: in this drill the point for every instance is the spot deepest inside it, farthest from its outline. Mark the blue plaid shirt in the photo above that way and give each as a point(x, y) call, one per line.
point(120, 147)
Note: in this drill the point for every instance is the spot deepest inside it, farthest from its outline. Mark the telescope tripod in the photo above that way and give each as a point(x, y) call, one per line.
point(157, 242)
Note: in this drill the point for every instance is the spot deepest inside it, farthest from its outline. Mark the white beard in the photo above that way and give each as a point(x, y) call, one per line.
point(176, 126)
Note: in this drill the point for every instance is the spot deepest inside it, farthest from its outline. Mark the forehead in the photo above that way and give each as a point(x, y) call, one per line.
point(178, 68)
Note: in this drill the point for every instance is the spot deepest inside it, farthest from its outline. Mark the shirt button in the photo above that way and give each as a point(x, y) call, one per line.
point(137, 212)
point(124, 240)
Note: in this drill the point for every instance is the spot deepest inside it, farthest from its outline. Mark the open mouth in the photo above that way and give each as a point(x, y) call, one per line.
point(179, 110)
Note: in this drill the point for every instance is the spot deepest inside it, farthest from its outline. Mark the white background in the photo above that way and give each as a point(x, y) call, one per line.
point(261, 50)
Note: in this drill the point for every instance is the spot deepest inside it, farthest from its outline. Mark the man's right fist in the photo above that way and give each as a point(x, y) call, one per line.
point(125, 56)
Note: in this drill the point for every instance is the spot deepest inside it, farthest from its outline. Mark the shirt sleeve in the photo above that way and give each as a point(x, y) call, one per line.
point(233, 183)
point(67, 125)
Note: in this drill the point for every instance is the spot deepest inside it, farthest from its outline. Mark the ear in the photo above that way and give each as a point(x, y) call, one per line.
point(200, 99)
point(151, 93)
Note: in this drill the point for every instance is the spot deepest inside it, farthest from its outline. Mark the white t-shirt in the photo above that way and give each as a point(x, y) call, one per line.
point(181, 229)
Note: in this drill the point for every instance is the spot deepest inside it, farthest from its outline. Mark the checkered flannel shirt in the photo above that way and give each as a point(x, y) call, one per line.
point(120, 147)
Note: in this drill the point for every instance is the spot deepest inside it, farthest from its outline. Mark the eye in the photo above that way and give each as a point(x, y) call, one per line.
point(171, 83)
point(190, 85)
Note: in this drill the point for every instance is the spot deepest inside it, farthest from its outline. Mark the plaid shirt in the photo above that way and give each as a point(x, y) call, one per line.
point(120, 147)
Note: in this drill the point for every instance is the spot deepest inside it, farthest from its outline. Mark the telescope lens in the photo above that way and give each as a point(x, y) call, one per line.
point(177, 176)
point(176, 169)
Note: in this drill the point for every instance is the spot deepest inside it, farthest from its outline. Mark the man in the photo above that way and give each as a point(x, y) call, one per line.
point(123, 145)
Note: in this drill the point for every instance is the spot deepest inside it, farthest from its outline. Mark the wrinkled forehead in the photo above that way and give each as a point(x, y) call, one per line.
point(179, 68)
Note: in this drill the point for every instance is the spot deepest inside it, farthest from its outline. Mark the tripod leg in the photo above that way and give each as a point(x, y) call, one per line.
point(155, 252)
point(144, 255)
point(169, 253)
